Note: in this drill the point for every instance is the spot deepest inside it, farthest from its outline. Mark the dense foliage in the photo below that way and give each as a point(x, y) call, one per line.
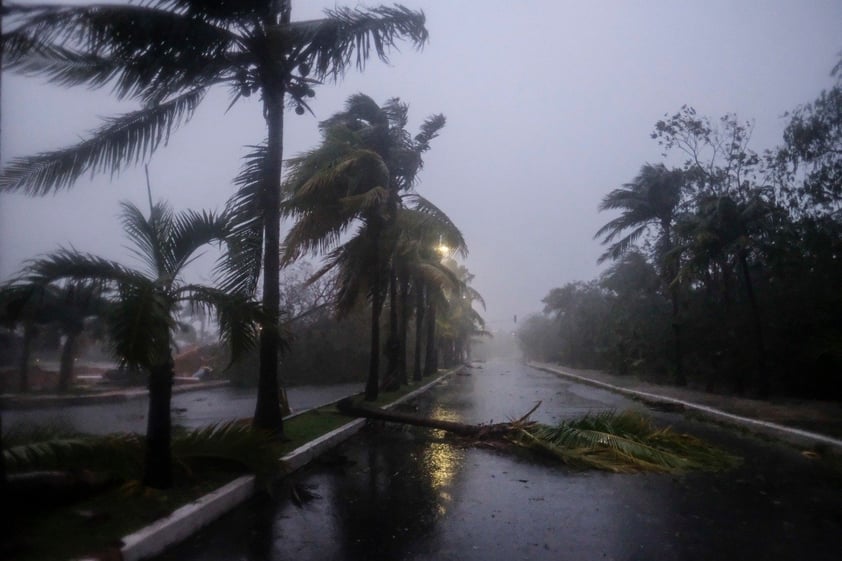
point(726, 269)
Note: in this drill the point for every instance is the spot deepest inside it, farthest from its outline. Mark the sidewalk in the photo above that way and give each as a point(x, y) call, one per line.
point(801, 422)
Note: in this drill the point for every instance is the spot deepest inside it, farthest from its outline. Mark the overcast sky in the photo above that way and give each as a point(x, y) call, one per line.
point(549, 106)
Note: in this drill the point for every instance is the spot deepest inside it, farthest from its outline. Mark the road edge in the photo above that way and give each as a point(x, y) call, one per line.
point(791, 435)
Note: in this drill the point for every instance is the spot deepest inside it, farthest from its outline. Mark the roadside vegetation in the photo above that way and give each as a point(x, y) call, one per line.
point(725, 263)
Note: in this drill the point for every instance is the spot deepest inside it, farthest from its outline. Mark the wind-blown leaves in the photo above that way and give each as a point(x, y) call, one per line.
point(239, 268)
point(121, 454)
point(143, 52)
point(127, 138)
point(348, 35)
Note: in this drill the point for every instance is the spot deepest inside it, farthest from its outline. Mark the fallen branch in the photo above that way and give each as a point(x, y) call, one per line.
point(619, 442)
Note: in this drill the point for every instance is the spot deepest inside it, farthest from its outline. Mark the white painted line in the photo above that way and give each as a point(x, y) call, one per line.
point(810, 436)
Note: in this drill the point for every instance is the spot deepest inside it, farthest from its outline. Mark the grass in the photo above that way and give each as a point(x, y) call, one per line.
point(96, 524)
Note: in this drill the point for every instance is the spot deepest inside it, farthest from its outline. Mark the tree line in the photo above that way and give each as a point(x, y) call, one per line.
point(724, 270)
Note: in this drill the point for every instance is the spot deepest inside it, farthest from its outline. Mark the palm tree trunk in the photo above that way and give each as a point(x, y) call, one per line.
point(158, 464)
point(372, 386)
point(404, 327)
point(267, 412)
point(392, 381)
point(68, 352)
point(419, 329)
point(25, 352)
point(431, 359)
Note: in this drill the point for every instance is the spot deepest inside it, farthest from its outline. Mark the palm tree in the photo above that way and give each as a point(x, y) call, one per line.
point(650, 200)
point(460, 322)
point(419, 228)
point(146, 301)
point(167, 54)
point(356, 176)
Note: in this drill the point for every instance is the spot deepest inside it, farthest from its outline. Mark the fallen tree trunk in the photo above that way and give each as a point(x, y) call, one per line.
point(348, 407)
point(620, 442)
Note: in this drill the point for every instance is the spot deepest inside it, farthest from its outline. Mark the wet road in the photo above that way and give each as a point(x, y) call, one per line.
point(189, 409)
point(407, 494)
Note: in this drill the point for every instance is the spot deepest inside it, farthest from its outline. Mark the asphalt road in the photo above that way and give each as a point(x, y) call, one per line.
point(394, 493)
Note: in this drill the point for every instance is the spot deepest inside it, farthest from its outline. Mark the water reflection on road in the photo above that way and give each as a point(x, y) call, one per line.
point(190, 409)
point(396, 493)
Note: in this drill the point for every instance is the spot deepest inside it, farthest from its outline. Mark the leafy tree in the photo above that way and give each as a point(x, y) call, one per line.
point(146, 301)
point(808, 165)
point(167, 54)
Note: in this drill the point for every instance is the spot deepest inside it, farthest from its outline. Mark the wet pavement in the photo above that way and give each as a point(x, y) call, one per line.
point(190, 409)
point(395, 493)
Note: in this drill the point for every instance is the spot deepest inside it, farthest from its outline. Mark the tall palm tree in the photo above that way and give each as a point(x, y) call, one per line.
point(167, 54)
point(146, 301)
point(649, 201)
point(356, 175)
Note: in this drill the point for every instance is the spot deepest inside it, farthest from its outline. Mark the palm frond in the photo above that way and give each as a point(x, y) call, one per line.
point(122, 140)
point(190, 231)
point(144, 52)
point(239, 268)
point(618, 249)
point(69, 264)
point(238, 315)
point(623, 442)
point(348, 36)
point(148, 235)
point(230, 443)
point(119, 454)
point(429, 130)
point(440, 223)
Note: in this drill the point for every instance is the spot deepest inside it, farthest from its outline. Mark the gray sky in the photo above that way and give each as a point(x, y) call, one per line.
point(549, 106)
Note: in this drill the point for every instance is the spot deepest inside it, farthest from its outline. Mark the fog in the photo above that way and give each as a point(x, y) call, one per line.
point(549, 106)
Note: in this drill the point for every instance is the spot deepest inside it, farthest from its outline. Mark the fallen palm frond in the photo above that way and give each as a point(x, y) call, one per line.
point(232, 446)
point(231, 443)
point(625, 442)
point(117, 454)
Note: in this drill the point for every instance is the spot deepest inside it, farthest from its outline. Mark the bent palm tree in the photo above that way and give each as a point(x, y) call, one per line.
point(145, 303)
point(651, 199)
point(167, 54)
point(356, 175)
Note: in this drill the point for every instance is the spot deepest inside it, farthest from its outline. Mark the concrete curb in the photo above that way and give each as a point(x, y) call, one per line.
point(187, 520)
point(792, 435)
point(183, 522)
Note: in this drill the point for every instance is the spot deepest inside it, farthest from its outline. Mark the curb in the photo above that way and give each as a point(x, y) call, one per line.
point(10, 402)
point(791, 435)
point(187, 520)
